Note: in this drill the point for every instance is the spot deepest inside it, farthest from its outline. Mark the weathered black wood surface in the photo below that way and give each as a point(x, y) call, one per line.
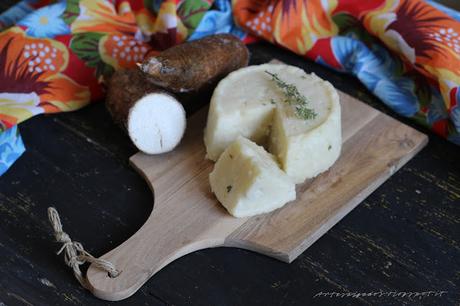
point(404, 237)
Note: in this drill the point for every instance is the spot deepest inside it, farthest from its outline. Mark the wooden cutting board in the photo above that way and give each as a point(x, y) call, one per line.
point(187, 217)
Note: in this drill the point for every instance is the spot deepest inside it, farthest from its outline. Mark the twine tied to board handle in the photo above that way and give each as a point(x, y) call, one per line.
point(74, 253)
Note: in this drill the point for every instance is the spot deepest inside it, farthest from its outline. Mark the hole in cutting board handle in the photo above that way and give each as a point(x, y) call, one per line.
point(114, 276)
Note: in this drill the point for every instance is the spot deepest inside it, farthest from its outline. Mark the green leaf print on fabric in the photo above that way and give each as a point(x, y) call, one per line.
point(86, 47)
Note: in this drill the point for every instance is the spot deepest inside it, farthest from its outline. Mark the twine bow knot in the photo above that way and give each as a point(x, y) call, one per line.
point(74, 253)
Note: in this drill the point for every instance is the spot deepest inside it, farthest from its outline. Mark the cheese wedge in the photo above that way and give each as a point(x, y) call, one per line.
point(248, 181)
point(249, 103)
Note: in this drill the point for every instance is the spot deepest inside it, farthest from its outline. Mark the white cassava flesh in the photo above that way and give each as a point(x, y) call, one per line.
point(156, 123)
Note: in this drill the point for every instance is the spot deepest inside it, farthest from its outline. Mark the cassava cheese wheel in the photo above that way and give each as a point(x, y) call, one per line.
point(305, 138)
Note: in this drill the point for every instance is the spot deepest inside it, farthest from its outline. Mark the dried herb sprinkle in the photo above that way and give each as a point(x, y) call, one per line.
point(294, 97)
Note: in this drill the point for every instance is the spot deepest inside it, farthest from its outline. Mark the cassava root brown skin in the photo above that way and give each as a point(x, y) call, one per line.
point(193, 65)
point(154, 119)
point(126, 87)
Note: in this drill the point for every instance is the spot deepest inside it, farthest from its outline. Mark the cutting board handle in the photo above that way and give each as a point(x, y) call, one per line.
point(185, 218)
point(154, 246)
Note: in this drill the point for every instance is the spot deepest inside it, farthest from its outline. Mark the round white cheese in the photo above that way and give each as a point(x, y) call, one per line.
point(248, 102)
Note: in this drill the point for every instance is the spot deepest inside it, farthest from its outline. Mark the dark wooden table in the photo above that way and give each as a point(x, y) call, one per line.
point(403, 238)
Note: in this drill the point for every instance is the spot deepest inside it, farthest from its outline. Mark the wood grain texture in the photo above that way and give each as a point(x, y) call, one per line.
point(187, 217)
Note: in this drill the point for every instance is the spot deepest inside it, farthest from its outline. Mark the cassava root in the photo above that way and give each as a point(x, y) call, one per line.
point(153, 118)
point(193, 65)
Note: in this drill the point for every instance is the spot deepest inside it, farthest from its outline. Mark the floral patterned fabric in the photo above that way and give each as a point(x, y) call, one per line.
point(55, 55)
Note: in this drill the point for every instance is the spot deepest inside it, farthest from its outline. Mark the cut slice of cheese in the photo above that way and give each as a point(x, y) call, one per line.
point(249, 103)
point(248, 181)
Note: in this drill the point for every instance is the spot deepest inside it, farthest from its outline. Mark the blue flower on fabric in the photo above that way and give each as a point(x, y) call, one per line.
point(46, 21)
point(218, 21)
point(378, 71)
point(11, 148)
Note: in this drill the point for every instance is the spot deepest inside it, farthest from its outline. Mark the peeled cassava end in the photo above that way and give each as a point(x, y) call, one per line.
point(156, 123)
point(153, 118)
